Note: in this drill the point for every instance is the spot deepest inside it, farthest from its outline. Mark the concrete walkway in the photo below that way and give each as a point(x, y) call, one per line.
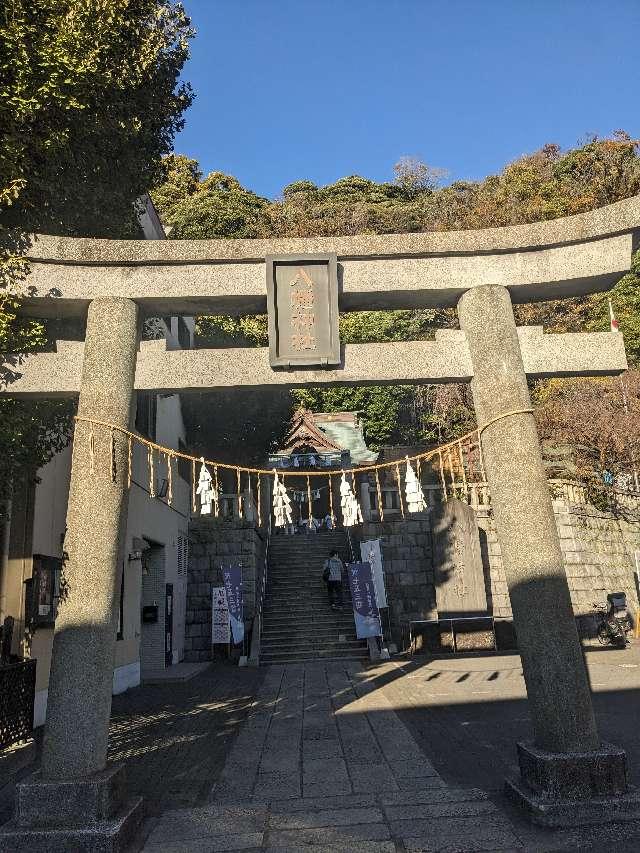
point(322, 760)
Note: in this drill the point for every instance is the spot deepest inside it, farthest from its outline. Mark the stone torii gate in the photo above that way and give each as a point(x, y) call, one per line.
point(74, 800)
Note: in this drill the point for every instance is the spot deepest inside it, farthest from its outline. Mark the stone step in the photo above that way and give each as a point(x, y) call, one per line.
point(293, 657)
point(316, 631)
point(310, 645)
point(280, 623)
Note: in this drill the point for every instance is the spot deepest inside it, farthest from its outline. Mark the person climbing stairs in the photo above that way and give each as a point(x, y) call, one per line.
point(298, 623)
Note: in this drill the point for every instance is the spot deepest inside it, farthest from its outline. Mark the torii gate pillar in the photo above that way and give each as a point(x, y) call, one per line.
point(75, 802)
point(566, 766)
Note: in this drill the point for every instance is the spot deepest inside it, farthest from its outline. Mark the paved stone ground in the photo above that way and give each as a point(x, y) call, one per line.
point(324, 762)
point(174, 738)
point(403, 756)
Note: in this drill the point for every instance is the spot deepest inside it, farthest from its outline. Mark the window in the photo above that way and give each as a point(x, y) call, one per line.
point(146, 413)
point(120, 633)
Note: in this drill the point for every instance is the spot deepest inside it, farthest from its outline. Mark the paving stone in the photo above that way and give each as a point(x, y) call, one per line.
point(215, 844)
point(326, 817)
point(376, 778)
point(445, 795)
point(329, 789)
point(205, 822)
point(361, 750)
point(435, 810)
point(320, 732)
point(416, 768)
point(327, 770)
point(421, 783)
point(276, 785)
point(350, 847)
point(466, 834)
point(325, 748)
point(325, 836)
point(320, 803)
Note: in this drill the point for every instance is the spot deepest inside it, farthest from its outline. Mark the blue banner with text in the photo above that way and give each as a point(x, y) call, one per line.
point(363, 595)
point(232, 579)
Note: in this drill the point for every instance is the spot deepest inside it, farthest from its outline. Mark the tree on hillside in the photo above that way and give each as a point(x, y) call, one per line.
point(90, 99)
point(219, 207)
point(600, 423)
point(546, 184)
point(179, 179)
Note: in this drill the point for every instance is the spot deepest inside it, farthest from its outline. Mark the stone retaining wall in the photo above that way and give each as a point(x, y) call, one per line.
point(601, 550)
point(214, 542)
point(407, 555)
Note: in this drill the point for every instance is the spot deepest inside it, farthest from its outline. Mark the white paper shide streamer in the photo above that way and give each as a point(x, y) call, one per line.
point(205, 490)
point(350, 507)
point(413, 491)
point(281, 503)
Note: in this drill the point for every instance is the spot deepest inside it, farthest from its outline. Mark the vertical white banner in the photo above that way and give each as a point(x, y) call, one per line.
point(371, 553)
point(220, 631)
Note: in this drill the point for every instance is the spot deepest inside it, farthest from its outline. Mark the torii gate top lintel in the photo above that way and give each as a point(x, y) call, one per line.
point(558, 258)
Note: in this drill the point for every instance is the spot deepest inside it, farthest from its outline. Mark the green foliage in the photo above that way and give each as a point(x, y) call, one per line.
point(625, 299)
point(382, 406)
point(218, 206)
point(179, 179)
point(90, 99)
point(546, 184)
point(218, 330)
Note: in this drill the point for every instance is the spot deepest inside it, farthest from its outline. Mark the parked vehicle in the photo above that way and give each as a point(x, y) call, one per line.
point(614, 622)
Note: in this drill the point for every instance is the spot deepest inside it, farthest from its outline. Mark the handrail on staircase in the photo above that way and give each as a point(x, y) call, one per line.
point(254, 657)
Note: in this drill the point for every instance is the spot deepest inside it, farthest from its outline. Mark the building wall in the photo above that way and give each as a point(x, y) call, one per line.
point(38, 521)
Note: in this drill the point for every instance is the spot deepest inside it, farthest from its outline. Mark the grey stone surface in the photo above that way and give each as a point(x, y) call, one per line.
point(457, 562)
point(43, 802)
point(577, 775)
point(115, 835)
point(557, 685)
point(445, 359)
point(80, 684)
point(540, 261)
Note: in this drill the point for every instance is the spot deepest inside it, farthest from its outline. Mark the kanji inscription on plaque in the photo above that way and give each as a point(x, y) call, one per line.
point(302, 299)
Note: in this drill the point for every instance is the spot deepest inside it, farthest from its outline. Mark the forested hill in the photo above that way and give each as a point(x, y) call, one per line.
point(547, 184)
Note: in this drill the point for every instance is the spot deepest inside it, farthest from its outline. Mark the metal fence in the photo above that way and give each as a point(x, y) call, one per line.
point(17, 693)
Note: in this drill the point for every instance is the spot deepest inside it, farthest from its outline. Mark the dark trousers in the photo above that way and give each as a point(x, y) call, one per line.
point(334, 589)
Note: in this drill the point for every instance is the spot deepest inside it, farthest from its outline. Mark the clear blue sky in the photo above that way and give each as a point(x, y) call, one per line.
point(320, 89)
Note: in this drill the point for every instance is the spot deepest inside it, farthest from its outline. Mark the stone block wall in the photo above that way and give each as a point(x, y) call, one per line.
point(408, 565)
point(214, 542)
point(601, 550)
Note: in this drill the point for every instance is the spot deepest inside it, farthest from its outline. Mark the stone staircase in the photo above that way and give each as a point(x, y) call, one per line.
point(298, 624)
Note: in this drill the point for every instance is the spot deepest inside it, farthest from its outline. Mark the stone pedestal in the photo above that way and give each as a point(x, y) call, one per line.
point(89, 815)
point(74, 804)
point(573, 789)
point(553, 666)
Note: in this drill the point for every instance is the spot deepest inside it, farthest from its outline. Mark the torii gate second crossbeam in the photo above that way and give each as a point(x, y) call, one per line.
point(118, 282)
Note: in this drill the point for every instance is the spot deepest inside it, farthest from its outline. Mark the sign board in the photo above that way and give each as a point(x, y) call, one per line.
point(457, 560)
point(232, 578)
point(302, 303)
point(220, 629)
point(371, 553)
point(363, 595)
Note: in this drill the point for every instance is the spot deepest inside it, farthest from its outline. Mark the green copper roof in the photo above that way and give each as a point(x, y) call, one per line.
point(349, 437)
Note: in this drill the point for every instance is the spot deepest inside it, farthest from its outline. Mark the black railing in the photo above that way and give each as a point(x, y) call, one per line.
point(17, 694)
